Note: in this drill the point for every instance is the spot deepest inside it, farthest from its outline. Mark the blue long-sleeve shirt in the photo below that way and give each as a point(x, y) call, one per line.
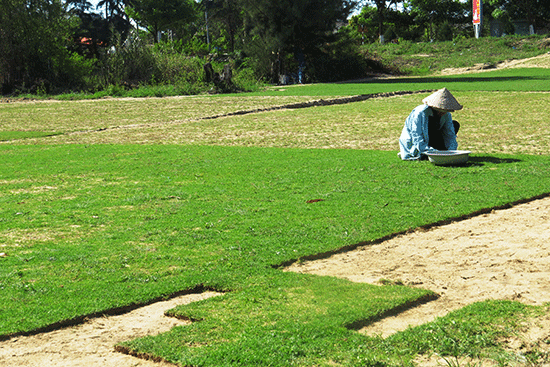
point(414, 138)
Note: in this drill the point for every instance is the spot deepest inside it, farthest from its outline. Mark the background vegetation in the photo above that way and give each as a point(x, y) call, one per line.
point(51, 47)
point(423, 58)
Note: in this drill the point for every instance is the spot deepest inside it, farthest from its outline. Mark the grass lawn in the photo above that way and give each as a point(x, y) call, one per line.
point(526, 79)
point(90, 221)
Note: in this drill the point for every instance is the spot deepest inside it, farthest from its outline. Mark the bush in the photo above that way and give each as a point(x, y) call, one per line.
point(445, 33)
point(129, 63)
point(390, 34)
point(245, 80)
point(176, 68)
point(77, 70)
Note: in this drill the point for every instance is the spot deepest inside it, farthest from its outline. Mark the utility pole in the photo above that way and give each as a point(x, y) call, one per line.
point(477, 16)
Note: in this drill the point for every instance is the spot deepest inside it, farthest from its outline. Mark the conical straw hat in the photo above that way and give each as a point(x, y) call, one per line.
point(443, 100)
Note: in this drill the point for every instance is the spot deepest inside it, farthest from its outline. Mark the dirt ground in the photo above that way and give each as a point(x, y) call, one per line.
point(541, 61)
point(92, 343)
point(500, 255)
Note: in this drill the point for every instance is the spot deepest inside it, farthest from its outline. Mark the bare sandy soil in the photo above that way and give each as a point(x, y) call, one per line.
point(92, 343)
point(500, 255)
point(541, 61)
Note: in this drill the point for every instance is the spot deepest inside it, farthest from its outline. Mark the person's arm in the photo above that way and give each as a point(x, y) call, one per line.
point(418, 135)
point(449, 134)
point(417, 124)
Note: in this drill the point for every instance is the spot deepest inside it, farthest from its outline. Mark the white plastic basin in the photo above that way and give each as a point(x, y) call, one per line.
point(448, 157)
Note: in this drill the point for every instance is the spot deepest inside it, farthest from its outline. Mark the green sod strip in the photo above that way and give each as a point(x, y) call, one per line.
point(305, 320)
point(527, 80)
point(279, 320)
point(91, 228)
point(472, 331)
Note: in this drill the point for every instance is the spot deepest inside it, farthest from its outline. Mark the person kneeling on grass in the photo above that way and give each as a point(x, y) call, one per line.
point(430, 126)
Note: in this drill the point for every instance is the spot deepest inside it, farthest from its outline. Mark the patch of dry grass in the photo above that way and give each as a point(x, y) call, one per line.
point(541, 61)
point(92, 115)
point(511, 122)
point(491, 122)
point(30, 237)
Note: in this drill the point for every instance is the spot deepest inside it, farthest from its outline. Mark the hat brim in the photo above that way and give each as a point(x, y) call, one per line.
point(443, 100)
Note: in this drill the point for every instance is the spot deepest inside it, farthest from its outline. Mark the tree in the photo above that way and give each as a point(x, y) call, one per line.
point(161, 15)
point(433, 14)
point(366, 24)
point(112, 7)
point(275, 29)
point(116, 20)
point(286, 24)
point(396, 20)
point(537, 12)
point(228, 13)
point(92, 25)
point(382, 6)
point(79, 6)
point(34, 36)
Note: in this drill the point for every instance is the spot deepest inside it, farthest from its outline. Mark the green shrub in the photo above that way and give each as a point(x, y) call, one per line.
point(245, 80)
point(75, 71)
point(129, 63)
point(390, 34)
point(445, 33)
point(195, 47)
point(177, 68)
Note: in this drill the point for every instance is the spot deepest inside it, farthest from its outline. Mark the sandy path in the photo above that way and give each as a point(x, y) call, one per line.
point(501, 255)
point(91, 344)
point(540, 61)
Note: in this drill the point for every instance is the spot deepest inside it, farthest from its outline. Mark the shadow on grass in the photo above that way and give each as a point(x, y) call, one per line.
point(359, 324)
point(482, 160)
point(459, 79)
point(479, 161)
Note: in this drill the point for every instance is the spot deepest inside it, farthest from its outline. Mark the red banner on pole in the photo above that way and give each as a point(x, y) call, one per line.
point(477, 11)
